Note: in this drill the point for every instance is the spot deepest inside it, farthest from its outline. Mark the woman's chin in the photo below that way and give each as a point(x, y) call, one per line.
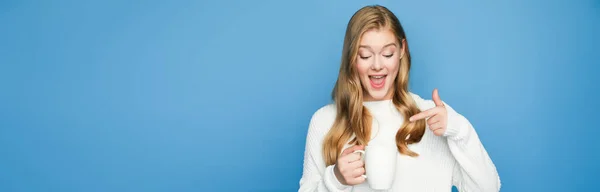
point(375, 95)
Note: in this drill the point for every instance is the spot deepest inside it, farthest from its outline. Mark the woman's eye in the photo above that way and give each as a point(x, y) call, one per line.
point(365, 57)
point(388, 56)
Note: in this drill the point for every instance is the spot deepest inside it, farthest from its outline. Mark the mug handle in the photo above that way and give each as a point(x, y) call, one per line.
point(362, 156)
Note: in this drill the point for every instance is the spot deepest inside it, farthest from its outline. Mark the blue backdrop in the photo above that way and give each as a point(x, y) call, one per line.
point(217, 95)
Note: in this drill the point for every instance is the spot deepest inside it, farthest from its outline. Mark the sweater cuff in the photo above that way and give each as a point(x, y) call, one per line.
point(332, 183)
point(457, 125)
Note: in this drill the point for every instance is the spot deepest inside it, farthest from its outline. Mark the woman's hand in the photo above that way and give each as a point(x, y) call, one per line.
point(438, 116)
point(349, 167)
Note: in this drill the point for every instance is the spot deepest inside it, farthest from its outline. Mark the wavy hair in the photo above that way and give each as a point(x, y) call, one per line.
point(353, 119)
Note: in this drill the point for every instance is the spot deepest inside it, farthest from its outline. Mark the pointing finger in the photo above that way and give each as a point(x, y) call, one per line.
point(424, 114)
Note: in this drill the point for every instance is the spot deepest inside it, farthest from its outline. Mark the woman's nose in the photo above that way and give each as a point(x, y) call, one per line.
point(376, 65)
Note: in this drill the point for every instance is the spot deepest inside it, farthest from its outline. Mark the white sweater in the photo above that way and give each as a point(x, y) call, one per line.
point(457, 158)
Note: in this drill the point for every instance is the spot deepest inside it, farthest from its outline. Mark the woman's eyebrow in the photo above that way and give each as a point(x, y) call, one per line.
point(389, 44)
point(369, 47)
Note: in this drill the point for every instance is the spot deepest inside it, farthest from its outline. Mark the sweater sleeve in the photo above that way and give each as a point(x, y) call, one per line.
point(316, 177)
point(474, 170)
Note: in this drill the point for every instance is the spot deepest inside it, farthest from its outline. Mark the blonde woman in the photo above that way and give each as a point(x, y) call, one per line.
point(437, 148)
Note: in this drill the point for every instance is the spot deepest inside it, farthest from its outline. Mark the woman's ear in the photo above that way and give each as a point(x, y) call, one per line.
point(402, 48)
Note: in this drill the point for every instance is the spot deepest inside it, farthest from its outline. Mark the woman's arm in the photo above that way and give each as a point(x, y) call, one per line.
point(474, 170)
point(316, 177)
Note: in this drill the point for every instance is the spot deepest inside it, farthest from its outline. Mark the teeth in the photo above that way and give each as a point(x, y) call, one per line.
point(377, 77)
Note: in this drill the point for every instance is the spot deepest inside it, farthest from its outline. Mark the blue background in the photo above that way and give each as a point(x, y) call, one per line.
point(217, 95)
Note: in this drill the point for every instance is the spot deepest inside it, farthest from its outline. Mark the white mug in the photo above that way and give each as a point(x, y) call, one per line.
point(380, 165)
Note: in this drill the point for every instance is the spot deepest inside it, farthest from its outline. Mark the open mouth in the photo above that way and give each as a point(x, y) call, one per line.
point(377, 81)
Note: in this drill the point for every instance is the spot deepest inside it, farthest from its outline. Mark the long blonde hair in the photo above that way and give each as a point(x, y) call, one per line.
point(353, 119)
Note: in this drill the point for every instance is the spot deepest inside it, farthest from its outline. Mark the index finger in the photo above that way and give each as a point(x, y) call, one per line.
point(423, 115)
point(352, 149)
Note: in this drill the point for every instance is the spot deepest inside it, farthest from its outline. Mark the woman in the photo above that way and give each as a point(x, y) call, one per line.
point(437, 147)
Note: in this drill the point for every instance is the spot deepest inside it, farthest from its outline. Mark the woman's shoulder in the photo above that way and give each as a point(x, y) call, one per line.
point(322, 119)
point(327, 112)
point(422, 104)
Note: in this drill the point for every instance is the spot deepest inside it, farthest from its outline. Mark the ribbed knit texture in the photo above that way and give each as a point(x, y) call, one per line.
point(457, 158)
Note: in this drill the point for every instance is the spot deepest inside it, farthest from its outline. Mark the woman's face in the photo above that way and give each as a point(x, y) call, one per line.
point(377, 62)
